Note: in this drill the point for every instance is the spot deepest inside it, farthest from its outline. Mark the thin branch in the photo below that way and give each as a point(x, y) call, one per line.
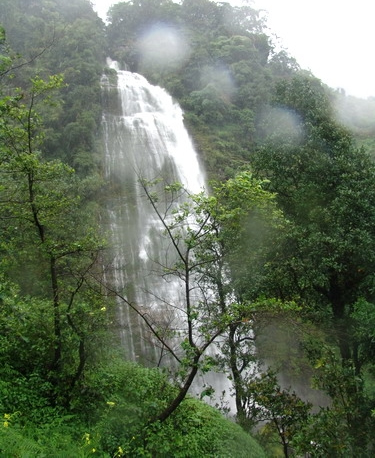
point(165, 225)
point(32, 58)
point(145, 319)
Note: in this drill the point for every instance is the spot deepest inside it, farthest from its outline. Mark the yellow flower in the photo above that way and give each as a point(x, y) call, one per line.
point(86, 437)
point(6, 424)
point(93, 450)
point(119, 453)
point(7, 416)
point(110, 403)
point(103, 309)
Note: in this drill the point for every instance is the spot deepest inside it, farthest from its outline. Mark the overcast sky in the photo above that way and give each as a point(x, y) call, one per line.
point(332, 38)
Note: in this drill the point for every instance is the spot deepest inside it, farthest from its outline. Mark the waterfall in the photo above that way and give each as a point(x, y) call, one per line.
point(144, 137)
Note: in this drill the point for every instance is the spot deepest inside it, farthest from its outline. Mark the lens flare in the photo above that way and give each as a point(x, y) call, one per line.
point(220, 77)
point(163, 45)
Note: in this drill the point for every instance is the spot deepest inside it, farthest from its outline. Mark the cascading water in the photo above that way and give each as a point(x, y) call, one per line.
point(144, 138)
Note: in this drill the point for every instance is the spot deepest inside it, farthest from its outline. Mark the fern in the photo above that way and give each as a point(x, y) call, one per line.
point(17, 444)
point(14, 444)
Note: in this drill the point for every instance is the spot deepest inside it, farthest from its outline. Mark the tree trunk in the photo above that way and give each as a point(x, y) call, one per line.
point(237, 379)
point(56, 314)
point(182, 392)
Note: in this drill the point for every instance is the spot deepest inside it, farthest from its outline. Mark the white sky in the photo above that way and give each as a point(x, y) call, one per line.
point(335, 39)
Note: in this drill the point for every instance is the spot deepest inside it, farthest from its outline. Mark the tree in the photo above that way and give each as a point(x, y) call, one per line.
point(196, 320)
point(39, 205)
point(207, 239)
point(248, 221)
point(326, 189)
point(284, 411)
point(68, 39)
point(344, 428)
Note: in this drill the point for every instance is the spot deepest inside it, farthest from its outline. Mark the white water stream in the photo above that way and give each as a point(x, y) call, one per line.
point(144, 137)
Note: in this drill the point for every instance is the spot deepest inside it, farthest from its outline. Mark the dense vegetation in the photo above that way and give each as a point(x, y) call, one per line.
point(284, 242)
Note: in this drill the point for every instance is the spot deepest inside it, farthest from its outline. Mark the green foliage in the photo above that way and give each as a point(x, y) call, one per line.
point(58, 439)
point(220, 70)
point(55, 398)
point(118, 399)
point(194, 430)
point(48, 309)
point(249, 220)
point(69, 39)
point(197, 430)
point(283, 410)
point(344, 427)
point(216, 250)
point(325, 187)
point(364, 317)
point(324, 259)
point(326, 434)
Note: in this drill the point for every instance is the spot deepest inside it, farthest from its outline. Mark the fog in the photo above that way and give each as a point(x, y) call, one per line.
point(332, 38)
